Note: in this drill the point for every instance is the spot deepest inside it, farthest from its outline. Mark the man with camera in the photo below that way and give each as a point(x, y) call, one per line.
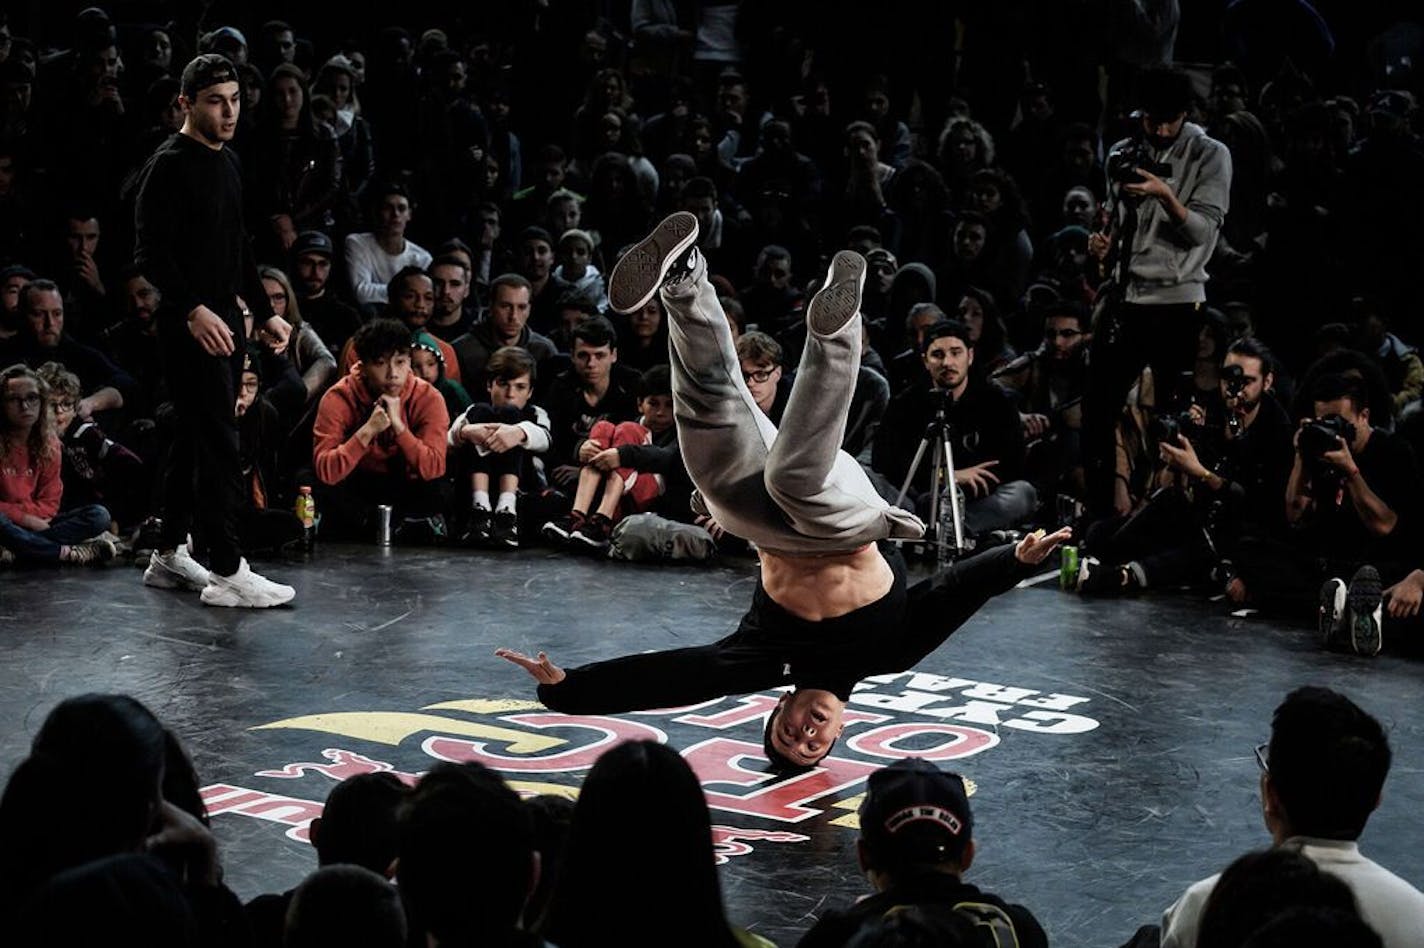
point(1351, 500)
point(1224, 470)
point(1168, 191)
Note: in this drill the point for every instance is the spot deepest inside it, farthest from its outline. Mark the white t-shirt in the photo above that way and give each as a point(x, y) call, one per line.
point(371, 268)
point(1388, 904)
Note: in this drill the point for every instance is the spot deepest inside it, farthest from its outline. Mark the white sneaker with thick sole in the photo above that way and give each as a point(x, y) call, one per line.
point(176, 570)
point(245, 590)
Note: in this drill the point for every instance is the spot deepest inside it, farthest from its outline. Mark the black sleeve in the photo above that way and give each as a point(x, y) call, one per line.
point(941, 604)
point(650, 458)
point(1031, 934)
point(1003, 439)
point(157, 230)
point(667, 679)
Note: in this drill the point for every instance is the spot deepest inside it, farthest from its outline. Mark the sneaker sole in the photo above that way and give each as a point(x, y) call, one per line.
point(556, 533)
point(588, 542)
point(1364, 602)
point(836, 303)
point(1332, 613)
point(161, 577)
point(231, 599)
point(639, 272)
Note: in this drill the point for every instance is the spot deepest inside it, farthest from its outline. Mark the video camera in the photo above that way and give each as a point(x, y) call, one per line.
point(1123, 164)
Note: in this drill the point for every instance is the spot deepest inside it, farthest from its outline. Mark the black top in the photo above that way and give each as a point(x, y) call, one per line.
point(573, 417)
point(984, 424)
point(1387, 467)
point(771, 647)
point(191, 242)
point(334, 320)
point(936, 890)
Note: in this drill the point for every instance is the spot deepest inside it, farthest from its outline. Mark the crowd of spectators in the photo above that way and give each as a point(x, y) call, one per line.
point(1173, 305)
point(1126, 285)
point(456, 857)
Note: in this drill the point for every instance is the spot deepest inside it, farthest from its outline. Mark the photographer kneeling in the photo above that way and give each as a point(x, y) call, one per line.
point(1351, 500)
point(1224, 472)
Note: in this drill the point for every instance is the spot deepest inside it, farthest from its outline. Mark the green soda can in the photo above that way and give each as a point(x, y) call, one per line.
point(1068, 568)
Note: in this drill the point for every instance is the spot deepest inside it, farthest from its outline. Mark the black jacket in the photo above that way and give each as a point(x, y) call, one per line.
point(984, 424)
point(573, 417)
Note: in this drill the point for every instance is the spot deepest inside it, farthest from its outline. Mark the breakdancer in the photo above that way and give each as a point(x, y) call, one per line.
point(832, 605)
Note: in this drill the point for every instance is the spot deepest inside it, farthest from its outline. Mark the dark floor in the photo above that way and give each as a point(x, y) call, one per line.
point(1111, 743)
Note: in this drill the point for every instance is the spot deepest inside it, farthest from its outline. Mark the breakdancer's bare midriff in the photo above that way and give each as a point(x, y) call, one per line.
point(821, 587)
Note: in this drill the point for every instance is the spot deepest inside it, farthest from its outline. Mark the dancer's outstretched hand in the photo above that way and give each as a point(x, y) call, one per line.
point(1034, 548)
point(540, 668)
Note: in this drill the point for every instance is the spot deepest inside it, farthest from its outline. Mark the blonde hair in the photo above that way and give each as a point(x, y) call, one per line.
point(294, 312)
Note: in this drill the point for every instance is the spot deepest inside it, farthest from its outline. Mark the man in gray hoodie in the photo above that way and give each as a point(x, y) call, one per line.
point(1163, 230)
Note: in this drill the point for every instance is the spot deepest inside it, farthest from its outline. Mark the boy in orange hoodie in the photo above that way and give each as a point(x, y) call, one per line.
point(379, 438)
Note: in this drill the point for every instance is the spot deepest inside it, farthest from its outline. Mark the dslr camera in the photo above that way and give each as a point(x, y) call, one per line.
point(1123, 164)
point(1167, 426)
point(1233, 379)
point(1318, 438)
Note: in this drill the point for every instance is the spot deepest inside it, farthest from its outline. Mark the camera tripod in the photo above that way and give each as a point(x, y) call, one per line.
point(943, 490)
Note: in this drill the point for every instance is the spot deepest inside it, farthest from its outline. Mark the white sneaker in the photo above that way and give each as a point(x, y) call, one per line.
point(176, 570)
point(245, 590)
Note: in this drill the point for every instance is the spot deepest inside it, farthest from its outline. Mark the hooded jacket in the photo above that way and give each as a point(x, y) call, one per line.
point(1168, 263)
point(336, 450)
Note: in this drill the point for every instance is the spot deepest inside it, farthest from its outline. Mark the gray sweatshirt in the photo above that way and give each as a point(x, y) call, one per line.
point(1169, 259)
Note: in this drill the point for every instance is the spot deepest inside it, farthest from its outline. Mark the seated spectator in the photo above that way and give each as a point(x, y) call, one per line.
point(32, 528)
point(645, 337)
point(380, 439)
point(987, 333)
point(345, 905)
point(773, 303)
point(44, 340)
point(452, 318)
point(374, 257)
point(1403, 370)
point(916, 842)
point(1226, 473)
point(1322, 774)
point(1049, 384)
point(13, 279)
point(83, 284)
point(132, 342)
point(1352, 499)
point(1008, 252)
point(574, 273)
point(506, 324)
point(1261, 885)
point(672, 871)
point(333, 320)
point(308, 352)
point(412, 300)
point(357, 827)
point(552, 815)
point(595, 389)
point(907, 366)
point(536, 265)
point(51, 821)
point(987, 437)
point(637, 463)
point(294, 170)
point(96, 469)
point(764, 373)
point(562, 212)
point(496, 440)
point(453, 899)
point(265, 523)
point(428, 362)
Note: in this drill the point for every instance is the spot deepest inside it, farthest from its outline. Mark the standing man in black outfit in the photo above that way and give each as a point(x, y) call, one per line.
point(192, 245)
point(832, 604)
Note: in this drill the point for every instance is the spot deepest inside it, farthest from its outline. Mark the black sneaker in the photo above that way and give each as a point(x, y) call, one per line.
point(505, 532)
point(478, 532)
point(560, 531)
point(646, 266)
point(1101, 579)
point(1330, 620)
point(1363, 598)
point(421, 531)
point(837, 302)
point(595, 533)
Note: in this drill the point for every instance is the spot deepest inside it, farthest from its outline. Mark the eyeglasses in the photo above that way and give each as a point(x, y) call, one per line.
point(1261, 758)
point(62, 405)
point(760, 376)
point(1051, 334)
point(28, 401)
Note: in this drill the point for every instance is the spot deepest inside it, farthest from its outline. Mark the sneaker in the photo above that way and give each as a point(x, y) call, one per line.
point(595, 532)
point(245, 590)
point(562, 530)
point(90, 552)
point(1363, 599)
point(1331, 618)
point(647, 265)
point(176, 570)
point(421, 531)
point(478, 531)
point(505, 532)
point(838, 300)
point(1101, 579)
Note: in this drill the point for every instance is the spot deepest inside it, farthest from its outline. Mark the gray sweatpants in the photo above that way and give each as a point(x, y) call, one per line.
point(794, 492)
